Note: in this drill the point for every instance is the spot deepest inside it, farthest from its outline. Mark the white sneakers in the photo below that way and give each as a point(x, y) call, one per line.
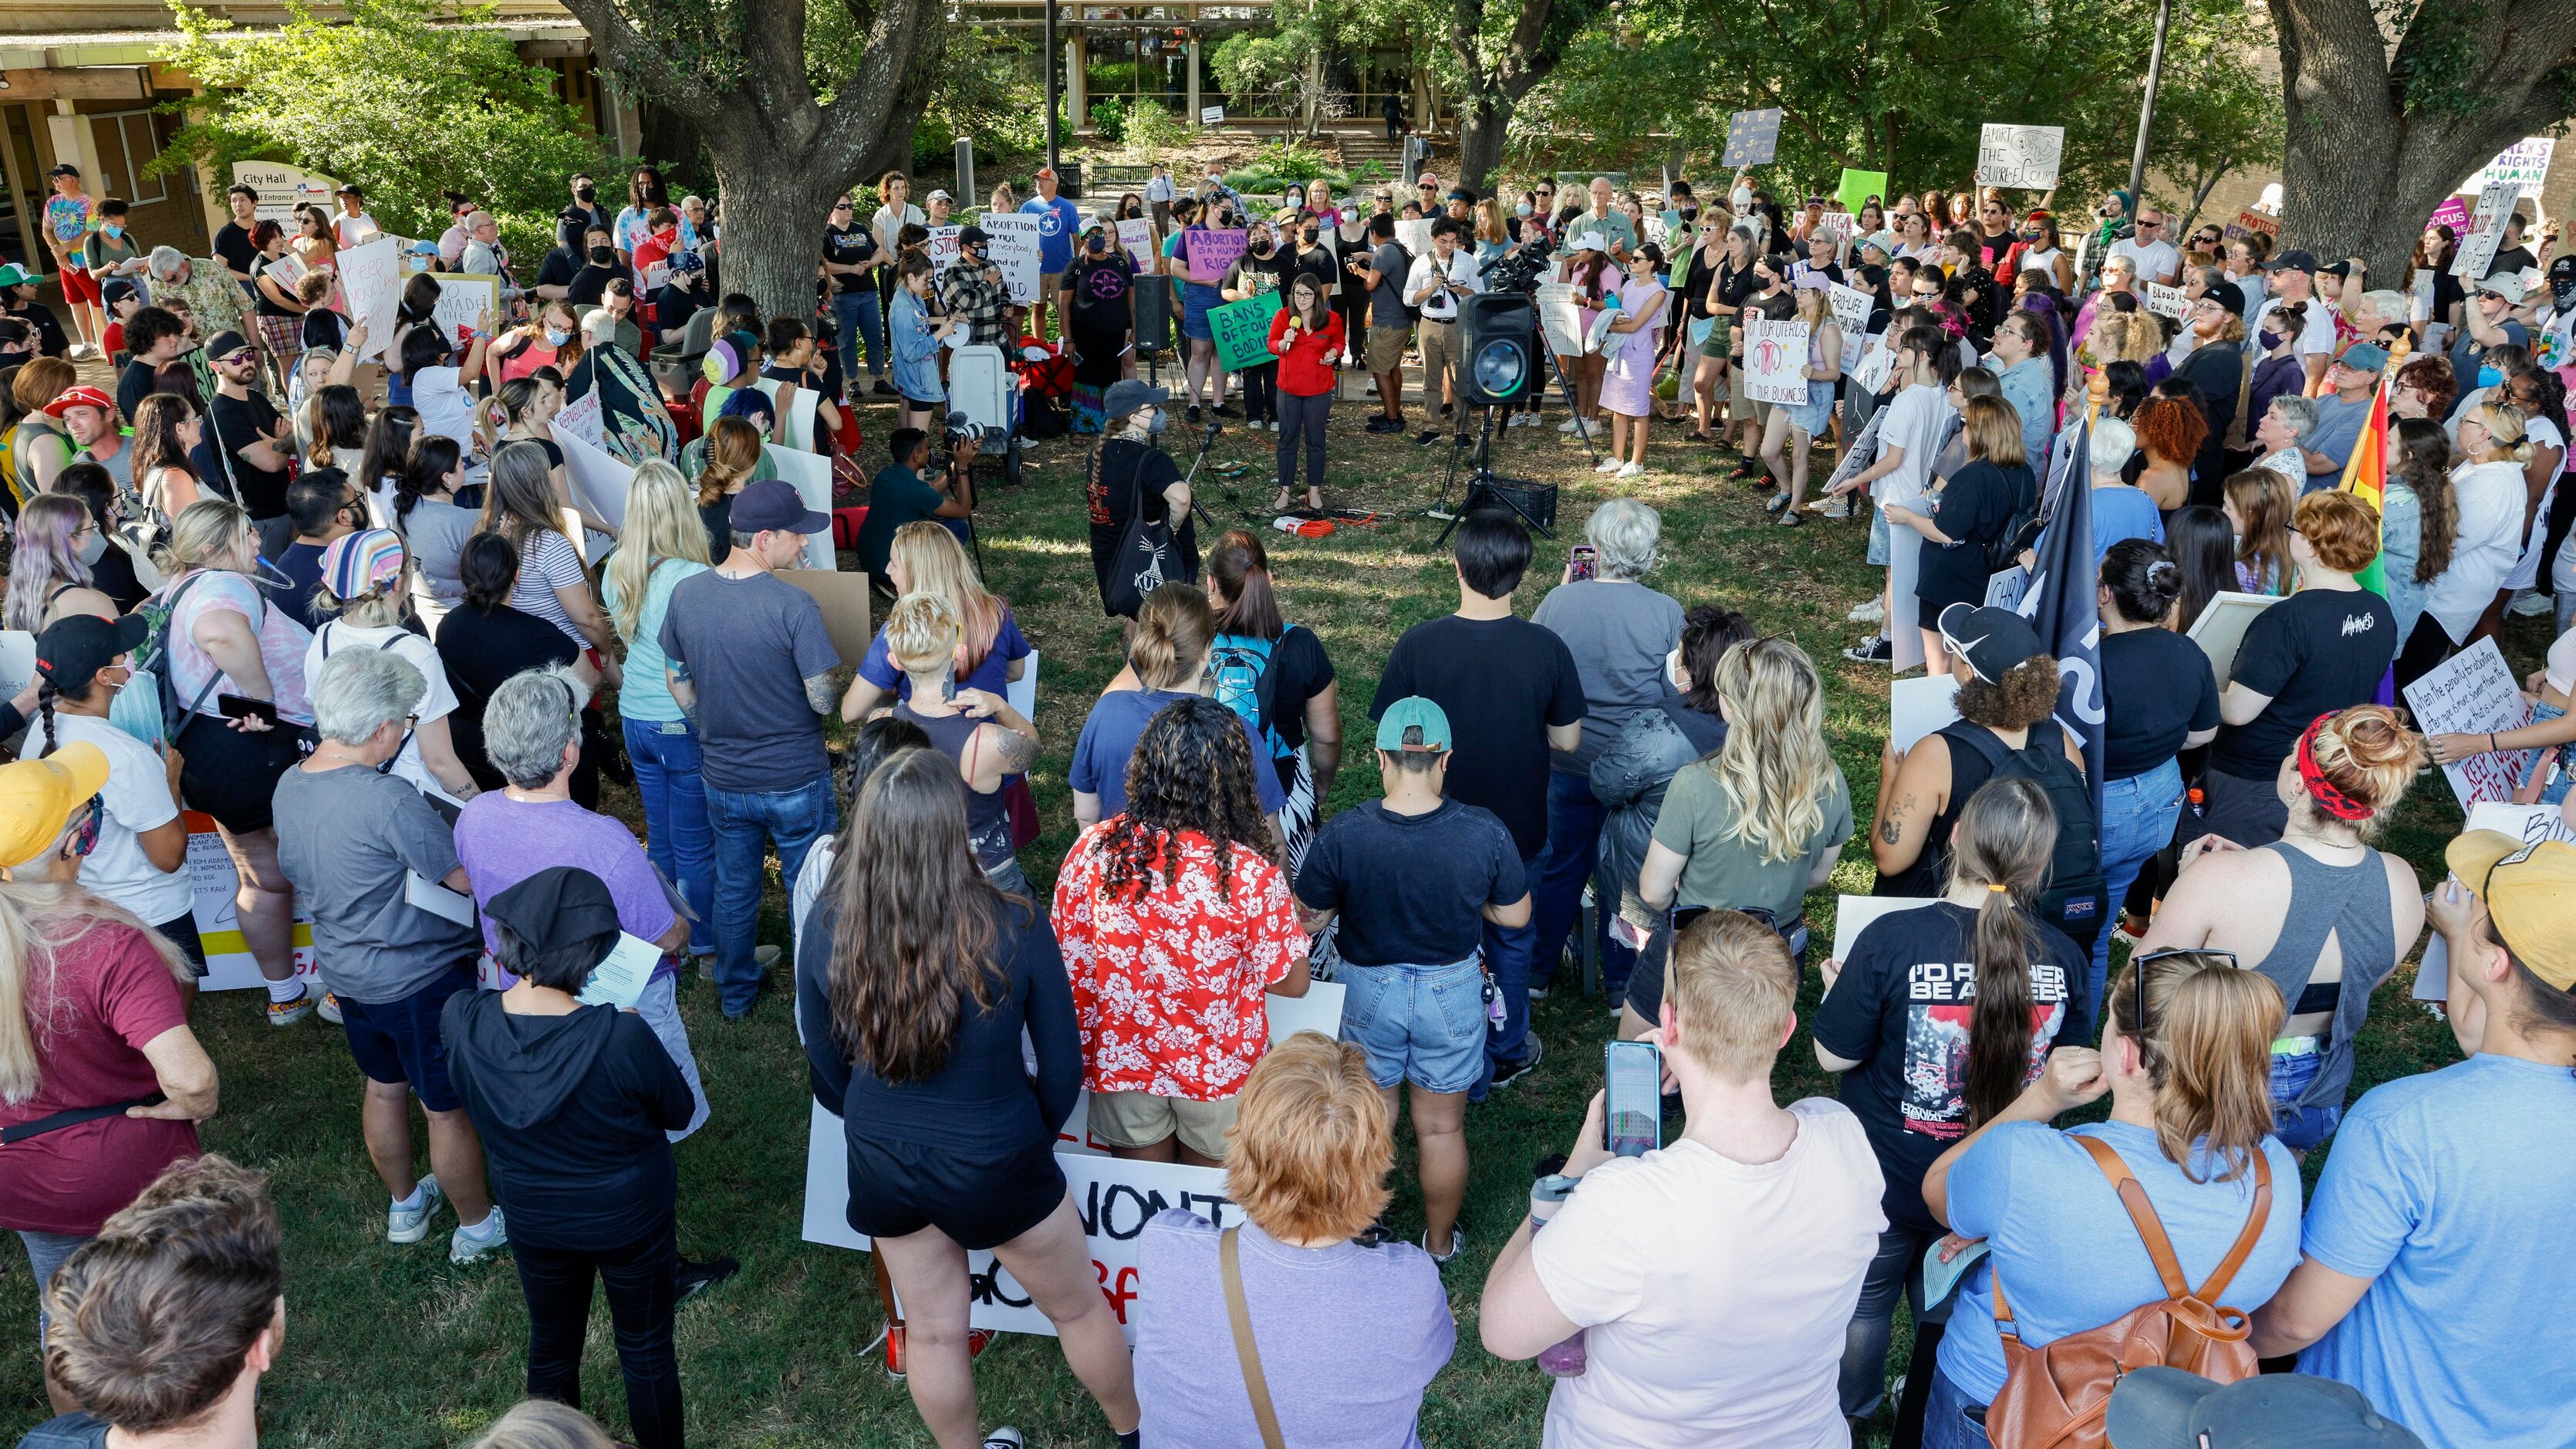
point(410, 1225)
point(1569, 425)
point(1606, 465)
point(1631, 470)
point(1870, 611)
point(468, 1246)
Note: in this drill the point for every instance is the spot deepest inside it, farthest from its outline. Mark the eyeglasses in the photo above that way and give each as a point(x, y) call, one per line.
point(1921, 295)
point(840, 206)
point(2150, 225)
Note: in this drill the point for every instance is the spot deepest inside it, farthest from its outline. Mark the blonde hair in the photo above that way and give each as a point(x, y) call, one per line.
point(1172, 634)
point(662, 523)
point(377, 608)
point(1774, 768)
point(1312, 1142)
point(2206, 1043)
point(920, 630)
point(544, 1424)
point(934, 562)
point(1993, 431)
point(203, 536)
point(1734, 989)
point(1489, 222)
point(2507, 426)
point(39, 921)
point(2368, 754)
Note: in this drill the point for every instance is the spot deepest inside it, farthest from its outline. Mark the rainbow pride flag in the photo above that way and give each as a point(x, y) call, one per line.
point(2366, 474)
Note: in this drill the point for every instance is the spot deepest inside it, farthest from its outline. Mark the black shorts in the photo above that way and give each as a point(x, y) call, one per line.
point(981, 1199)
point(232, 775)
point(182, 933)
point(397, 1042)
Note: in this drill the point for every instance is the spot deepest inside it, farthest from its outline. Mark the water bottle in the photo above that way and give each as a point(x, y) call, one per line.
point(1564, 1360)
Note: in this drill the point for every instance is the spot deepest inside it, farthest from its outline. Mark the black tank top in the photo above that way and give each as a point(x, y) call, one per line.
point(988, 820)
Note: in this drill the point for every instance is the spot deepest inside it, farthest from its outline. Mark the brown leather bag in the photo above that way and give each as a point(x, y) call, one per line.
point(2055, 1397)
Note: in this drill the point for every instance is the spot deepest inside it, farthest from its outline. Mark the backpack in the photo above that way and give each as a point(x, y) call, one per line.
point(2073, 899)
point(2056, 1397)
point(2021, 530)
point(152, 660)
point(1240, 666)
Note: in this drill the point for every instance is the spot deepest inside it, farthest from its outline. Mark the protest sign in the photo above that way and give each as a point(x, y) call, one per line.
point(1560, 319)
point(1752, 138)
point(285, 269)
point(2524, 165)
point(17, 662)
point(1208, 252)
point(581, 418)
point(1917, 707)
point(2220, 629)
point(844, 601)
point(1414, 234)
point(1851, 313)
point(1243, 331)
point(2453, 213)
point(799, 421)
point(2022, 157)
point(2486, 231)
point(1775, 356)
point(283, 188)
point(812, 475)
point(2473, 693)
point(463, 299)
point(1136, 234)
point(1012, 245)
point(229, 964)
point(2166, 301)
point(1904, 626)
point(371, 287)
point(1858, 187)
point(943, 248)
point(2249, 222)
point(599, 481)
point(1852, 915)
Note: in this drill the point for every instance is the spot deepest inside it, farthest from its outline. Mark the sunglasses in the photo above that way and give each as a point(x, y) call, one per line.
point(2140, 963)
point(1922, 295)
point(245, 355)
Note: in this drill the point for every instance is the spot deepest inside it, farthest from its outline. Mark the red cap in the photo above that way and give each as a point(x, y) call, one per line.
point(83, 396)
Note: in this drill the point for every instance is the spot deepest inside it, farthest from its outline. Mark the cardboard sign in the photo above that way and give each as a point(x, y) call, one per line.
point(1560, 318)
point(1852, 915)
point(1414, 234)
point(17, 661)
point(229, 965)
point(1857, 187)
point(799, 421)
point(582, 418)
point(2254, 221)
point(463, 297)
point(1775, 356)
point(2473, 692)
point(2486, 231)
point(943, 248)
point(812, 475)
point(371, 285)
point(599, 480)
point(2166, 301)
point(1917, 707)
point(844, 599)
point(1851, 313)
point(1243, 331)
point(1207, 253)
point(2524, 165)
point(1013, 247)
point(1752, 138)
point(283, 188)
point(286, 269)
point(1136, 234)
point(2220, 630)
point(2023, 157)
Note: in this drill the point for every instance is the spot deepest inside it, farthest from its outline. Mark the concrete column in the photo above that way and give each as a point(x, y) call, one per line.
point(1194, 78)
point(1314, 85)
point(1077, 93)
point(74, 142)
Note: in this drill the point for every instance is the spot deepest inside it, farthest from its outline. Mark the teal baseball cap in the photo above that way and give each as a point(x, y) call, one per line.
point(1413, 712)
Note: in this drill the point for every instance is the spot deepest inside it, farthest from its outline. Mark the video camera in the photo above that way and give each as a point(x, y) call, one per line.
point(1523, 269)
point(956, 428)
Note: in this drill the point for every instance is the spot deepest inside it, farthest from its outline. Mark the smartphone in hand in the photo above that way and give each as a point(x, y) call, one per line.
point(1583, 563)
point(1632, 1114)
point(242, 706)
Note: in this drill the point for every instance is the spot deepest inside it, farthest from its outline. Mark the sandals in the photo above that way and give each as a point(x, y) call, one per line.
point(1791, 518)
point(1778, 502)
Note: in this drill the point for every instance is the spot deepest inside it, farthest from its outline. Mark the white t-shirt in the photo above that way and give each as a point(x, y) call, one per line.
point(351, 230)
point(437, 701)
point(1461, 268)
point(2157, 260)
point(2035, 260)
point(1714, 1294)
point(888, 223)
point(137, 799)
point(445, 411)
point(2317, 336)
point(1916, 419)
point(2491, 501)
point(2540, 432)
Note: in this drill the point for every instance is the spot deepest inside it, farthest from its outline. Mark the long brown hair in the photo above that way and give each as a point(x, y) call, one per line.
point(519, 498)
point(1191, 770)
point(1171, 635)
point(2263, 504)
point(1240, 568)
point(2205, 1040)
point(2002, 842)
point(917, 921)
point(2424, 465)
point(732, 451)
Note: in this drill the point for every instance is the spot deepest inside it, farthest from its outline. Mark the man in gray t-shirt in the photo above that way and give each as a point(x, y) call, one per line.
point(751, 667)
point(1383, 272)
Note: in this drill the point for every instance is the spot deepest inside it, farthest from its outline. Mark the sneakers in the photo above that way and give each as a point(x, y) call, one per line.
point(764, 957)
point(288, 1013)
point(468, 1246)
point(1631, 470)
point(1874, 650)
point(1838, 506)
point(330, 1007)
point(1504, 1075)
point(410, 1225)
point(1193, 415)
point(2530, 603)
point(1606, 465)
point(1569, 425)
point(1457, 1240)
point(695, 1278)
point(1384, 424)
point(1537, 992)
point(1004, 1437)
point(1427, 437)
point(882, 388)
point(1867, 611)
point(1226, 410)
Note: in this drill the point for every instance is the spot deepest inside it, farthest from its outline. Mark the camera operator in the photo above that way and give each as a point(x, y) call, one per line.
point(908, 489)
point(1436, 284)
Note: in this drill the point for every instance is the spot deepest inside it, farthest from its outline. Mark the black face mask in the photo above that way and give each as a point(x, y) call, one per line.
point(1310, 235)
point(1688, 213)
point(1261, 248)
point(585, 194)
point(603, 256)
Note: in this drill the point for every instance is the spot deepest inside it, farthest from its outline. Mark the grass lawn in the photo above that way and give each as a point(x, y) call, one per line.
point(392, 1348)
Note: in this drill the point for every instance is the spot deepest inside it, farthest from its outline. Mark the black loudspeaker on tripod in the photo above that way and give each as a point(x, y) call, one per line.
point(1499, 362)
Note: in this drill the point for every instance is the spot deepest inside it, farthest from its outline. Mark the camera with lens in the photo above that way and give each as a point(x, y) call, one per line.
point(957, 428)
point(1523, 269)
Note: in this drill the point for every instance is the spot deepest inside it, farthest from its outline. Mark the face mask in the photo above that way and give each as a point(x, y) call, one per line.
point(2489, 377)
point(1261, 248)
point(1743, 197)
point(1689, 213)
point(586, 195)
point(2269, 338)
point(93, 548)
point(1310, 234)
point(1524, 209)
point(557, 337)
point(1160, 422)
point(113, 232)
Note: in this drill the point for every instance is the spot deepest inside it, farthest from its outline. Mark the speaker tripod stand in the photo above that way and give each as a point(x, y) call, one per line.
point(1481, 489)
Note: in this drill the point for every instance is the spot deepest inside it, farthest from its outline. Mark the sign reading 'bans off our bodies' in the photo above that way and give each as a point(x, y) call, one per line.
point(1243, 331)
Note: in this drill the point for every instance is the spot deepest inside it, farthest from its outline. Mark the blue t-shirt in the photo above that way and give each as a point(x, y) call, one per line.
point(2120, 513)
point(1059, 222)
point(2071, 1259)
point(1109, 736)
point(991, 674)
point(2450, 1191)
point(646, 696)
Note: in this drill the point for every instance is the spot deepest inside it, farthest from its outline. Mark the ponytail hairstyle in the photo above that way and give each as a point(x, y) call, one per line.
point(388, 448)
point(2504, 423)
point(1171, 637)
point(2263, 503)
point(513, 402)
point(2003, 840)
point(733, 451)
point(2203, 1029)
point(1240, 568)
point(2143, 579)
point(433, 457)
point(2424, 465)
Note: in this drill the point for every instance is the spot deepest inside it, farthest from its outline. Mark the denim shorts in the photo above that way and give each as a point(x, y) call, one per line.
point(2301, 1128)
point(1881, 547)
point(1418, 1024)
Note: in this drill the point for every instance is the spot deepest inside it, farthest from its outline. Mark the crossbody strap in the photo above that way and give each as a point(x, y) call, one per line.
point(1229, 1257)
point(2133, 1196)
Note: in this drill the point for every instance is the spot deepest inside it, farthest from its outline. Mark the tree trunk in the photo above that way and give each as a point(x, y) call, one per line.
point(1483, 121)
point(776, 204)
point(2374, 144)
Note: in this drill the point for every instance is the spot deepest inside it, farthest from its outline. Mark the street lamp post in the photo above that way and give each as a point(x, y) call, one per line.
point(1054, 136)
point(2146, 106)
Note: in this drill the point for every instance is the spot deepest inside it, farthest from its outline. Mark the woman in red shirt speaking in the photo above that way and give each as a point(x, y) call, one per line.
point(1307, 335)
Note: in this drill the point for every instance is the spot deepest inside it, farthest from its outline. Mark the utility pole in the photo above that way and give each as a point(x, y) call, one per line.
point(1054, 136)
point(2146, 106)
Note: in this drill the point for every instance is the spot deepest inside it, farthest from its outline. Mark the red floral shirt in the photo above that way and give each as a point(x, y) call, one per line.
point(1167, 987)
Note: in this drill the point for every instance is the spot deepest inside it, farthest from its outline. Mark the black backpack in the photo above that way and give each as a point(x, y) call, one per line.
point(1145, 558)
point(2074, 899)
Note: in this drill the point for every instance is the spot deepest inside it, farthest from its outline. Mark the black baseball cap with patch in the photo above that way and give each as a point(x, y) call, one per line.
point(1991, 641)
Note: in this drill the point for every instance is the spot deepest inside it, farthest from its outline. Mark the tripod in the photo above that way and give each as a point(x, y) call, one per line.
point(1480, 487)
point(1581, 429)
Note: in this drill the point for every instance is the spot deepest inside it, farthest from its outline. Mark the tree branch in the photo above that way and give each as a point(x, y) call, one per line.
point(629, 53)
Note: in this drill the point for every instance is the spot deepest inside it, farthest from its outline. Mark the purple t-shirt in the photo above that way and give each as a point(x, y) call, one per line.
point(502, 842)
point(1349, 1337)
point(991, 674)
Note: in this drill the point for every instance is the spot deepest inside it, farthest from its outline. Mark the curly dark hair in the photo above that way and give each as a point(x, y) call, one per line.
point(1192, 770)
point(2025, 695)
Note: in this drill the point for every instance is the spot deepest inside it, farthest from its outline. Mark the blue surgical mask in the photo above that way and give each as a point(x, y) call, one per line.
point(2489, 377)
point(1161, 421)
point(557, 337)
point(113, 232)
point(1523, 209)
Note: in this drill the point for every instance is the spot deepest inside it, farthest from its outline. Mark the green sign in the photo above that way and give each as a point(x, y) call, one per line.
point(1243, 331)
point(1859, 186)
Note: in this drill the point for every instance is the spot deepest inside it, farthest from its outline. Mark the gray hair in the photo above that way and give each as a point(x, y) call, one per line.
point(165, 262)
point(2390, 305)
point(2299, 412)
point(598, 325)
point(1624, 533)
point(360, 691)
point(529, 720)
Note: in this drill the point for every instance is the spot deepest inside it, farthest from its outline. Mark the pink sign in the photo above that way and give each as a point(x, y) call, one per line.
point(2453, 213)
point(1209, 253)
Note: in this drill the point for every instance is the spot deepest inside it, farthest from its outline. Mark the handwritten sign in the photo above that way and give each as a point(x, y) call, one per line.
point(1775, 354)
point(1243, 331)
point(2024, 157)
point(812, 475)
point(2486, 230)
point(372, 287)
point(215, 884)
point(283, 188)
point(1013, 247)
point(1414, 234)
point(1207, 252)
point(2524, 164)
point(464, 297)
point(1136, 234)
point(1851, 313)
point(1560, 318)
point(2473, 692)
point(943, 248)
point(2167, 301)
point(17, 662)
point(581, 418)
point(2251, 223)
point(1752, 138)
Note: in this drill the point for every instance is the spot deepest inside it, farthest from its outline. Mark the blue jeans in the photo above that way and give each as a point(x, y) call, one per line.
point(856, 315)
point(1574, 817)
point(2301, 1128)
point(675, 817)
point(1946, 1424)
point(2138, 816)
point(1507, 956)
point(1895, 1271)
point(744, 822)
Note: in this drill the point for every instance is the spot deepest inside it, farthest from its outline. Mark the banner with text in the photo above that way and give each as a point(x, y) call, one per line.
point(1208, 252)
point(1243, 331)
point(2473, 692)
point(2023, 157)
point(2525, 164)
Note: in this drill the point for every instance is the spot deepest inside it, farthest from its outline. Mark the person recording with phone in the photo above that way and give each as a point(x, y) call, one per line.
point(1645, 1257)
point(1307, 335)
